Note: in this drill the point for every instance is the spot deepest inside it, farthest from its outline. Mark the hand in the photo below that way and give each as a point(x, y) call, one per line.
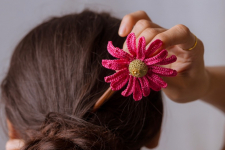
point(192, 81)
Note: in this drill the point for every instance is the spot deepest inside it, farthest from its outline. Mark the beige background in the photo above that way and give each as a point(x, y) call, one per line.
point(193, 126)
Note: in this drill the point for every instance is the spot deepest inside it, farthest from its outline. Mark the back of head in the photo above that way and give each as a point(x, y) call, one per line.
point(55, 78)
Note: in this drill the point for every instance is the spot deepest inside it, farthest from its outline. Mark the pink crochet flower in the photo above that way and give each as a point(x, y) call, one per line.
point(140, 67)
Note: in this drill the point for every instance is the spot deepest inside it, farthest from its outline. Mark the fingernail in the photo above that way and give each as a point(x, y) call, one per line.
point(122, 30)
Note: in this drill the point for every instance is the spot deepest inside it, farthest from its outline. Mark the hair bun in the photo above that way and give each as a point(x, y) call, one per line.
point(64, 132)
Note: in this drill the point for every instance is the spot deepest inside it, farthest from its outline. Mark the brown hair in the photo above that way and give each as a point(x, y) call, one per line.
point(55, 78)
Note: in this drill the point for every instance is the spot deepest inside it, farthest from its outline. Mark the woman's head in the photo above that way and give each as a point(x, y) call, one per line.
point(55, 78)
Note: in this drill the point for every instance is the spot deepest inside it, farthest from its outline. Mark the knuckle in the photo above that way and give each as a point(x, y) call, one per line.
point(142, 12)
point(151, 31)
point(143, 23)
point(164, 38)
point(128, 17)
point(183, 29)
point(161, 36)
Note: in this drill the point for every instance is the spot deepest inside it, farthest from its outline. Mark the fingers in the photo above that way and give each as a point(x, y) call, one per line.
point(150, 33)
point(141, 25)
point(145, 28)
point(130, 20)
point(178, 35)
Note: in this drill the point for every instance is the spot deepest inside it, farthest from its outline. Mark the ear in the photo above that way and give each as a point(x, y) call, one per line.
point(13, 134)
point(155, 141)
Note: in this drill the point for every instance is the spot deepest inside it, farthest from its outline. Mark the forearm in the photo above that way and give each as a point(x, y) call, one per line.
point(215, 94)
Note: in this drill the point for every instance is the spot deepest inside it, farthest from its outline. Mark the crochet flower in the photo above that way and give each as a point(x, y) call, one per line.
point(140, 68)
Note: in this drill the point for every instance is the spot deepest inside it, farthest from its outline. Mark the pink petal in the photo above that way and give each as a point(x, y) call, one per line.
point(117, 85)
point(137, 93)
point(116, 64)
point(158, 58)
point(153, 47)
point(141, 49)
point(159, 81)
point(128, 91)
point(153, 85)
point(117, 75)
point(117, 53)
point(131, 44)
point(145, 86)
point(163, 71)
point(167, 61)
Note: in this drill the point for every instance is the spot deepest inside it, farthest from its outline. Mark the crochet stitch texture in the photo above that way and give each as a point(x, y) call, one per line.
point(140, 68)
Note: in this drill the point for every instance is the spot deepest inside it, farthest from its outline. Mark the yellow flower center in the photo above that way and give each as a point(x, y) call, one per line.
point(137, 68)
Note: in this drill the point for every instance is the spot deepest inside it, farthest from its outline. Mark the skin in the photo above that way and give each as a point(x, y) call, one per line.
point(194, 80)
point(192, 75)
point(14, 142)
